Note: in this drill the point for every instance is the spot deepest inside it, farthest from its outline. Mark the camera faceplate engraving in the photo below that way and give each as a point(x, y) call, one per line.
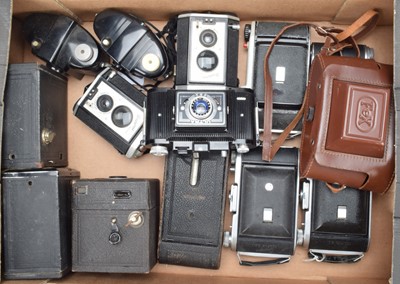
point(200, 109)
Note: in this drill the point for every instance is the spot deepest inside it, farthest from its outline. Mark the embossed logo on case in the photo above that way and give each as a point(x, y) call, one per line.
point(366, 114)
point(361, 117)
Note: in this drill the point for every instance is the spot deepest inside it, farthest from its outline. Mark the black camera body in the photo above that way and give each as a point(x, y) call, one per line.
point(115, 225)
point(200, 120)
point(288, 66)
point(193, 213)
point(113, 108)
point(131, 44)
point(336, 225)
point(65, 45)
point(264, 203)
point(206, 111)
point(207, 48)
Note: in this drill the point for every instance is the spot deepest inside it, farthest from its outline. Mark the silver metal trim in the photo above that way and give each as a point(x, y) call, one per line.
point(235, 216)
point(133, 150)
point(265, 255)
point(251, 50)
point(307, 215)
point(370, 217)
point(223, 16)
point(335, 252)
point(296, 201)
point(196, 87)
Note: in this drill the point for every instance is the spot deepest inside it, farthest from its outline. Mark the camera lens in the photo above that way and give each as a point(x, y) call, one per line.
point(207, 60)
point(122, 116)
point(105, 103)
point(208, 38)
point(201, 108)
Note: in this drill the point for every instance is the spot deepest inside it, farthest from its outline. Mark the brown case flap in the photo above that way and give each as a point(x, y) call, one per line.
point(358, 119)
point(334, 152)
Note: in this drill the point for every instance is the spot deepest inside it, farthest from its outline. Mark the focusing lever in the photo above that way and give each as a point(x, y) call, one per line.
point(194, 171)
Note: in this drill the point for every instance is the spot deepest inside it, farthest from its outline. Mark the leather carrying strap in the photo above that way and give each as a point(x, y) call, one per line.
point(360, 27)
point(341, 39)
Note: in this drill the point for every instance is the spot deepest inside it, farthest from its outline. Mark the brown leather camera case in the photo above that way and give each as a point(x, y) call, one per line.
point(348, 130)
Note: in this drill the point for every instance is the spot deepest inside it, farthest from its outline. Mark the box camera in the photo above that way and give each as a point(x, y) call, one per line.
point(207, 48)
point(113, 108)
point(115, 225)
point(35, 116)
point(336, 225)
point(200, 120)
point(37, 223)
point(288, 65)
point(264, 203)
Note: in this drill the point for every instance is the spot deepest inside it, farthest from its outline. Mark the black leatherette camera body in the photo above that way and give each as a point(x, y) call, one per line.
point(192, 217)
point(115, 225)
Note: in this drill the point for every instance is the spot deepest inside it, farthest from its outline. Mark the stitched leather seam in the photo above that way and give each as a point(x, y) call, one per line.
point(309, 164)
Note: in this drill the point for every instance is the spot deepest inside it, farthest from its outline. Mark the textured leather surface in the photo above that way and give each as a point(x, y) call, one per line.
point(37, 243)
point(344, 165)
point(328, 230)
point(95, 203)
point(191, 233)
point(30, 91)
point(255, 234)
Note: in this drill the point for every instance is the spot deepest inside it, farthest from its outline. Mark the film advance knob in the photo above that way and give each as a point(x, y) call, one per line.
point(158, 150)
point(247, 32)
point(135, 219)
